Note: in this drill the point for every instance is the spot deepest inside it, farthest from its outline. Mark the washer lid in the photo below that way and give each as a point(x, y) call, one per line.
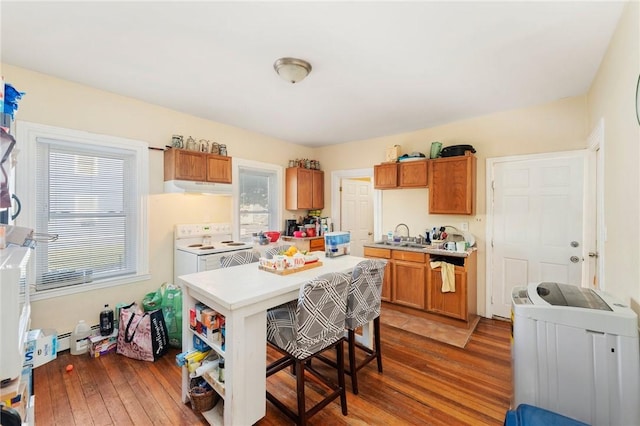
point(570, 295)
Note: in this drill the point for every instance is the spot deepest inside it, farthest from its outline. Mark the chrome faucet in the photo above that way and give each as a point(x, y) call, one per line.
point(406, 227)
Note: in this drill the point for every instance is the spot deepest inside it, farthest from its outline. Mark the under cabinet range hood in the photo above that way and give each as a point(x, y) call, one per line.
point(197, 187)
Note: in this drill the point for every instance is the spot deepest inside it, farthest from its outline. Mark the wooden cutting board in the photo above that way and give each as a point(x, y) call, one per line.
point(292, 270)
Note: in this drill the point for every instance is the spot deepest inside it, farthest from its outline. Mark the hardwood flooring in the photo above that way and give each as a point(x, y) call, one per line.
point(425, 382)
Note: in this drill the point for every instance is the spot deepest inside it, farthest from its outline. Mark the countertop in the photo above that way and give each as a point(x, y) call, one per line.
point(426, 249)
point(290, 238)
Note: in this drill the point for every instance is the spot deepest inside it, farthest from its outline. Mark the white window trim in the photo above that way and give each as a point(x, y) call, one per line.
point(235, 176)
point(27, 134)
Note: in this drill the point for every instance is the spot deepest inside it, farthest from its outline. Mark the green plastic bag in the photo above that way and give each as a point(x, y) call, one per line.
point(152, 301)
point(168, 298)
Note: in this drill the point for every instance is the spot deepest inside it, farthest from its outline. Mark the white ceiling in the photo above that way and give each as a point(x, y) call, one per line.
point(379, 68)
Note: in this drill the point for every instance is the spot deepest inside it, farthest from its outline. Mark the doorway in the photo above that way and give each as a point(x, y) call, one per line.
point(535, 223)
point(355, 206)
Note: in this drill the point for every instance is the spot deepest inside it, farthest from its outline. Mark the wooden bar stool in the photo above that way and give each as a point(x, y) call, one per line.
point(304, 328)
point(363, 305)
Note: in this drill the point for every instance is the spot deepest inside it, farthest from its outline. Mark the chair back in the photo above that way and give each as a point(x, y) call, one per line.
point(365, 289)
point(241, 257)
point(319, 315)
point(275, 250)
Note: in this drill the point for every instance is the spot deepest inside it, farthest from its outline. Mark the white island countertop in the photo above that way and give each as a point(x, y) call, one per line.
point(241, 286)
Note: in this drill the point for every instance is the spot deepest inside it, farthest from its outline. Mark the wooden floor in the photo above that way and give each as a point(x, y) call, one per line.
point(424, 383)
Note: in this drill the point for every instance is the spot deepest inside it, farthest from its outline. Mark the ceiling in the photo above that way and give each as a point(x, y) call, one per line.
point(379, 68)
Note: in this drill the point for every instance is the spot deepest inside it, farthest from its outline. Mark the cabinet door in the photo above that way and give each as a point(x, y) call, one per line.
point(408, 284)
point(386, 282)
point(184, 165)
point(316, 244)
point(371, 252)
point(218, 169)
point(317, 189)
point(299, 189)
point(385, 176)
point(450, 304)
point(452, 185)
point(413, 174)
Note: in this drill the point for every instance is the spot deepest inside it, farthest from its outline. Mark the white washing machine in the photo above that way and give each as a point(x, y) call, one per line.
point(576, 352)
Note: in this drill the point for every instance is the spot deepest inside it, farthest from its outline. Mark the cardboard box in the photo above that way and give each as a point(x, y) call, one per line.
point(102, 345)
point(41, 347)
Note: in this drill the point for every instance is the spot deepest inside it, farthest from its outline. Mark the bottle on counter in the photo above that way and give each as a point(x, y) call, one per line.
point(106, 321)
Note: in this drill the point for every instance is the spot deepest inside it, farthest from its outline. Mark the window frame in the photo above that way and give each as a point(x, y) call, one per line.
point(27, 135)
point(239, 163)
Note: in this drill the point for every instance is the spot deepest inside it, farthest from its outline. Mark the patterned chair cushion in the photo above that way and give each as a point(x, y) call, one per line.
point(241, 257)
point(305, 326)
point(275, 250)
point(365, 290)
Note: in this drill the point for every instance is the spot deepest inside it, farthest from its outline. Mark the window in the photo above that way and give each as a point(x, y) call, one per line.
point(90, 190)
point(259, 197)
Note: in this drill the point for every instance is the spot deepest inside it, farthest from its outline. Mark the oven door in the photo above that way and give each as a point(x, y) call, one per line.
point(209, 262)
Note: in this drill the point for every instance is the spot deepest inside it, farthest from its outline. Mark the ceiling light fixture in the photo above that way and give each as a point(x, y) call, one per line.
point(291, 69)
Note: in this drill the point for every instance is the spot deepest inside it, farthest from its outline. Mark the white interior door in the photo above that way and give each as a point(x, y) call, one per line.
point(356, 212)
point(537, 226)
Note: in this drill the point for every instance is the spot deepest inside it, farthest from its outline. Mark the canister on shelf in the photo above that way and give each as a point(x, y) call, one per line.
point(223, 149)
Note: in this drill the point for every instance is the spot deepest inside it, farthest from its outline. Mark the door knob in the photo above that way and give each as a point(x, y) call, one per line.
point(574, 259)
point(574, 244)
point(369, 233)
point(592, 254)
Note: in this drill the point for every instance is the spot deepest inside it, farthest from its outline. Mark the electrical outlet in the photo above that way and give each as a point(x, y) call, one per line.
point(464, 226)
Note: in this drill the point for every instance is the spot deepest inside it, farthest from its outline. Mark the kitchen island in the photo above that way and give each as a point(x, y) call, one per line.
point(243, 294)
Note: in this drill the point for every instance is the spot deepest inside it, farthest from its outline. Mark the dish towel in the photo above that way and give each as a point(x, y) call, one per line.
point(448, 275)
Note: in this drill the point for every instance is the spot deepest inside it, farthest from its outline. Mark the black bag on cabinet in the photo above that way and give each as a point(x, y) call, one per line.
point(456, 150)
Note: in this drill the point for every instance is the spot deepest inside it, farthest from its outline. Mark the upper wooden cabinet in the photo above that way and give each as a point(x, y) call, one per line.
point(452, 185)
point(385, 175)
point(218, 168)
point(304, 189)
point(182, 164)
point(407, 174)
point(412, 174)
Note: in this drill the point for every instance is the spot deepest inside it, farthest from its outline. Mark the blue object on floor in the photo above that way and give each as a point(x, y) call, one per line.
point(528, 415)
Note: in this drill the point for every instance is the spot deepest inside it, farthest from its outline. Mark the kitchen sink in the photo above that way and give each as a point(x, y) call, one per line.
point(409, 244)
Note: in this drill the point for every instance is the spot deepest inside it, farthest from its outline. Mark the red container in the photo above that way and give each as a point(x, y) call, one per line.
point(272, 235)
point(311, 232)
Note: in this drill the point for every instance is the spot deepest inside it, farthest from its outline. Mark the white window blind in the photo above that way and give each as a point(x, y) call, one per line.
point(259, 199)
point(86, 196)
point(91, 191)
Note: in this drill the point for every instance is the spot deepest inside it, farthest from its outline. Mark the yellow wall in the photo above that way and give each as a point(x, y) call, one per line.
point(57, 102)
point(559, 126)
point(612, 98)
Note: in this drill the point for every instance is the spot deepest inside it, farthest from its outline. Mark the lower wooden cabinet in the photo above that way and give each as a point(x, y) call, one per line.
point(378, 253)
point(410, 281)
point(459, 304)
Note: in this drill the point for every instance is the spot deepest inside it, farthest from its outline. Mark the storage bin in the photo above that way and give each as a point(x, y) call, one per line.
point(528, 415)
point(337, 243)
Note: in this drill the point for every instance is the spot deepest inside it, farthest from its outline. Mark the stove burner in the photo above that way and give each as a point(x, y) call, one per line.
point(195, 245)
point(226, 242)
point(235, 244)
point(206, 247)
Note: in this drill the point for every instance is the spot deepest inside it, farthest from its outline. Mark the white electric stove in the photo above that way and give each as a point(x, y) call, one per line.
point(199, 247)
